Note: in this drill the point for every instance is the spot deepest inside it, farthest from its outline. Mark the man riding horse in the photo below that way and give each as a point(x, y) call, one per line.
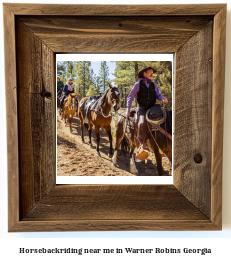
point(68, 88)
point(147, 92)
point(60, 86)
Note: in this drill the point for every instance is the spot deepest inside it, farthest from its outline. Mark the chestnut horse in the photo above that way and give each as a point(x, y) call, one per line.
point(98, 113)
point(159, 142)
point(69, 109)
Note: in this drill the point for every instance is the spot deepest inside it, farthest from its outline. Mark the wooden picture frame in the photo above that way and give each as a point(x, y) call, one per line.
point(33, 34)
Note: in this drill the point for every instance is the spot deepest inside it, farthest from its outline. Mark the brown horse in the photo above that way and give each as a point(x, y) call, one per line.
point(69, 109)
point(98, 114)
point(59, 97)
point(159, 142)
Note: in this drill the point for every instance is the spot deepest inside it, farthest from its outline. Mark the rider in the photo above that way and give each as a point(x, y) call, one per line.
point(60, 86)
point(147, 92)
point(68, 88)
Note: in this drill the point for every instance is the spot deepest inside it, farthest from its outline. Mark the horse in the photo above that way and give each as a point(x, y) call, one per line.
point(159, 141)
point(69, 109)
point(59, 97)
point(97, 111)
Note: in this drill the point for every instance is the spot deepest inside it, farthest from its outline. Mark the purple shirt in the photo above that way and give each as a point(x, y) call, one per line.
point(135, 90)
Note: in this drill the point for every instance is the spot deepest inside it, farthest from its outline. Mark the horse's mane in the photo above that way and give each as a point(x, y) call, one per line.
point(103, 98)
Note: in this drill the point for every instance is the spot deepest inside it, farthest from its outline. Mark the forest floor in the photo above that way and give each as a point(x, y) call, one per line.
point(75, 158)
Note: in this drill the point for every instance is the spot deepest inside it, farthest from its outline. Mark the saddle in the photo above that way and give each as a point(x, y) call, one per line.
point(89, 105)
point(156, 115)
point(131, 125)
point(155, 112)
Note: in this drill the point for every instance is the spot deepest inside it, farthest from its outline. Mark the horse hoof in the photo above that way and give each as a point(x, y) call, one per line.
point(134, 171)
point(97, 154)
point(90, 145)
point(110, 155)
point(114, 164)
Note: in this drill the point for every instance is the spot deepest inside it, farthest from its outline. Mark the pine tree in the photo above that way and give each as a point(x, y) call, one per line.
point(163, 78)
point(84, 75)
point(61, 70)
point(126, 74)
point(95, 83)
point(103, 76)
point(70, 70)
point(91, 91)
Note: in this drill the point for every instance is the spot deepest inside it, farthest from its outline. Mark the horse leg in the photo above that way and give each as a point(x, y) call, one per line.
point(108, 131)
point(70, 121)
point(133, 168)
point(118, 138)
point(77, 107)
point(89, 133)
point(66, 118)
point(97, 128)
point(158, 160)
point(82, 124)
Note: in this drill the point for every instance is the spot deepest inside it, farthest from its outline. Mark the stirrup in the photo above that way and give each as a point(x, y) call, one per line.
point(142, 154)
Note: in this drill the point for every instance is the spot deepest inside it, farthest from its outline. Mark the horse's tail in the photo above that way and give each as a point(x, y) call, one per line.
point(124, 146)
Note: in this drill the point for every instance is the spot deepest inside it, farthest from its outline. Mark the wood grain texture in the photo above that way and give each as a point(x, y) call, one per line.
point(115, 34)
point(193, 126)
point(114, 225)
point(108, 202)
point(114, 10)
point(36, 118)
point(114, 207)
point(218, 114)
point(11, 117)
point(195, 202)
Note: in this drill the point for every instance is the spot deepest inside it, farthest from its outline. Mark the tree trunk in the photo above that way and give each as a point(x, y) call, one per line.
point(136, 71)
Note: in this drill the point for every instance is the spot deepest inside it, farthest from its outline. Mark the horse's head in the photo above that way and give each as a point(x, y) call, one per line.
point(73, 95)
point(114, 96)
point(72, 100)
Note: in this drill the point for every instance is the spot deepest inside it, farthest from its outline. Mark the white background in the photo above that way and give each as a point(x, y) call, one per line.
point(218, 241)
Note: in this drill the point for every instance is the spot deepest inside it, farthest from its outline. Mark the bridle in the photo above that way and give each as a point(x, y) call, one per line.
point(115, 99)
point(72, 103)
point(110, 98)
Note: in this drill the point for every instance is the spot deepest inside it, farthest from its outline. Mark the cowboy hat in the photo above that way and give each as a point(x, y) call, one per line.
point(145, 68)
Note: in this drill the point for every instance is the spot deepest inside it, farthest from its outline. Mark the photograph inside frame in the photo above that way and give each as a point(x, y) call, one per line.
point(114, 119)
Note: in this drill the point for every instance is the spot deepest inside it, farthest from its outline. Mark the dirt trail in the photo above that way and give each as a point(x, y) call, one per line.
point(75, 158)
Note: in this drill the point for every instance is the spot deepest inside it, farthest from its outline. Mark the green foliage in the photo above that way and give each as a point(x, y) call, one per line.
point(91, 91)
point(163, 78)
point(103, 76)
point(84, 74)
point(70, 70)
point(61, 71)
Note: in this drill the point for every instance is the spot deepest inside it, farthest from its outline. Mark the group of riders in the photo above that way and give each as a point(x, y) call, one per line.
point(146, 93)
point(64, 90)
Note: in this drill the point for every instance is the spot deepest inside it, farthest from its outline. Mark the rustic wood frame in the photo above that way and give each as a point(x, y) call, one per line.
point(196, 34)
